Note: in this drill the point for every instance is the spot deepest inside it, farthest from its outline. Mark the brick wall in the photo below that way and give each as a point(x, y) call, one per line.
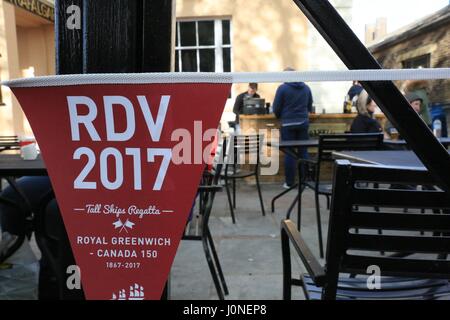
point(436, 42)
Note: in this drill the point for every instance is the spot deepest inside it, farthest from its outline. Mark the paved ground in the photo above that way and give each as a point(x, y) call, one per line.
point(249, 251)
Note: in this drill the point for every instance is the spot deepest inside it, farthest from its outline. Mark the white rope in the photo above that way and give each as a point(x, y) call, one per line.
point(232, 77)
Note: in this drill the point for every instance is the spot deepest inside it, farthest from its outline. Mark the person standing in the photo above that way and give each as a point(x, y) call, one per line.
point(355, 90)
point(238, 108)
point(292, 105)
point(351, 97)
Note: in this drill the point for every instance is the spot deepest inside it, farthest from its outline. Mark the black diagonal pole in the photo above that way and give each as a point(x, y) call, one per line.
point(355, 56)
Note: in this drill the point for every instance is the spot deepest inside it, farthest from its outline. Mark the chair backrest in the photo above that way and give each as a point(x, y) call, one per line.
point(348, 141)
point(195, 229)
point(246, 145)
point(9, 142)
point(14, 225)
point(207, 196)
point(359, 189)
point(9, 139)
point(217, 164)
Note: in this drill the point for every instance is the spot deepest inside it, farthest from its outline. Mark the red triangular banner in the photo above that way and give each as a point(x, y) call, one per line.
point(109, 151)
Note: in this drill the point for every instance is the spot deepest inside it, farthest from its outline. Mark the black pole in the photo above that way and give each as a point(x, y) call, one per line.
point(114, 36)
point(157, 32)
point(68, 41)
point(69, 48)
point(127, 36)
point(356, 56)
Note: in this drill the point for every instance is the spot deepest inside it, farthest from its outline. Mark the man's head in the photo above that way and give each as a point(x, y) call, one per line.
point(414, 100)
point(252, 88)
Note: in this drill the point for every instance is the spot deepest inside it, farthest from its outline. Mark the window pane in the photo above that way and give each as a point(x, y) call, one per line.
point(189, 60)
point(418, 62)
point(226, 31)
point(226, 53)
point(187, 34)
point(176, 34)
point(206, 33)
point(177, 66)
point(207, 60)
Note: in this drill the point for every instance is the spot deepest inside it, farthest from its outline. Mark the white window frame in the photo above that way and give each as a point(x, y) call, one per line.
point(218, 44)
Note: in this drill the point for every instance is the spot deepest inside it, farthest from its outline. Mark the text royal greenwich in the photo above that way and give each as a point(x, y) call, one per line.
point(123, 241)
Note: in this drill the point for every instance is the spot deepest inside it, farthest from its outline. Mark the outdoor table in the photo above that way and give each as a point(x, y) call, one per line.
point(403, 158)
point(12, 165)
point(292, 148)
point(402, 143)
point(388, 157)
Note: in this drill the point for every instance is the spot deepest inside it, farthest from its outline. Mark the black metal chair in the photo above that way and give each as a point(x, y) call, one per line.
point(9, 143)
point(197, 227)
point(20, 229)
point(19, 221)
point(403, 275)
point(248, 147)
point(328, 144)
point(44, 219)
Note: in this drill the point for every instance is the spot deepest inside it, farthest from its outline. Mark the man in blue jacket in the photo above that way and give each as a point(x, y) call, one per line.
point(292, 105)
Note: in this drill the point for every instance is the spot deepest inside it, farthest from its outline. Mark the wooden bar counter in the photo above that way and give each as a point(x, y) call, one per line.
point(327, 123)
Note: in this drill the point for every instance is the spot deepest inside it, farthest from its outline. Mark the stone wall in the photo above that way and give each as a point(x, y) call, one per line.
point(435, 42)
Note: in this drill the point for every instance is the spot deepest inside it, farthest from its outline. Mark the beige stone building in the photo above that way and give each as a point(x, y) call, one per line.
point(423, 44)
point(218, 36)
point(247, 35)
point(26, 49)
point(256, 36)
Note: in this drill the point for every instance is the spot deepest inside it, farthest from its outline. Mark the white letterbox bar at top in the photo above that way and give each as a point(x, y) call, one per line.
point(233, 77)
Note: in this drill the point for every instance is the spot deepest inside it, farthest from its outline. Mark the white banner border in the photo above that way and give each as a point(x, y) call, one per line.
point(231, 77)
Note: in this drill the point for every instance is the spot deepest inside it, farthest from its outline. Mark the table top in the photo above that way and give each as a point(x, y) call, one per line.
point(13, 165)
point(297, 143)
point(315, 143)
point(444, 141)
point(312, 116)
point(291, 147)
point(404, 158)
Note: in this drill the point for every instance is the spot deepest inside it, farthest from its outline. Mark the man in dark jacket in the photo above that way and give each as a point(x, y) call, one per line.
point(292, 105)
point(239, 103)
point(355, 90)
